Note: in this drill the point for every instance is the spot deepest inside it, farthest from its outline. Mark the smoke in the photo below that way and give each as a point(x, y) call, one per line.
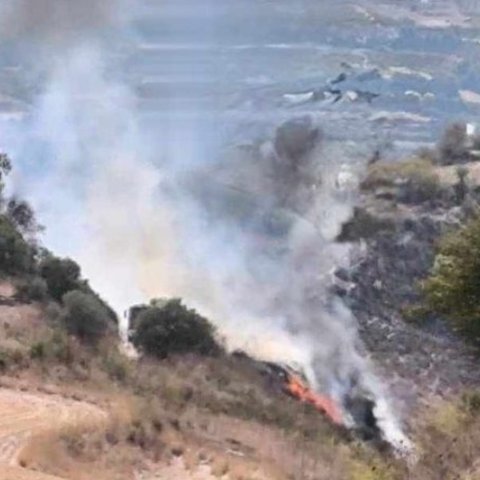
point(58, 23)
point(247, 237)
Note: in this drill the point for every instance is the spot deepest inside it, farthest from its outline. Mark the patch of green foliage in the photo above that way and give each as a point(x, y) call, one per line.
point(414, 180)
point(171, 328)
point(16, 255)
point(117, 365)
point(21, 214)
point(471, 401)
point(453, 288)
point(85, 316)
point(55, 347)
point(60, 274)
point(364, 225)
point(453, 146)
point(32, 289)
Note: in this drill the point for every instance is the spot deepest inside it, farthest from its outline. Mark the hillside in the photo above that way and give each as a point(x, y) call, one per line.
point(239, 240)
point(72, 401)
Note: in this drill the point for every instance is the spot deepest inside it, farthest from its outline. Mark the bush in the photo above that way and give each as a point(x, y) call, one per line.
point(429, 154)
point(364, 225)
point(414, 180)
point(61, 275)
point(21, 214)
point(454, 145)
point(38, 351)
point(16, 256)
point(34, 289)
point(471, 402)
point(55, 347)
point(85, 316)
point(117, 365)
point(11, 358)
point(453, 288)
point(173, 328)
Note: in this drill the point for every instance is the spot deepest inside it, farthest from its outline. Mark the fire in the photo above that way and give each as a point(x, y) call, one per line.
point(322, 403)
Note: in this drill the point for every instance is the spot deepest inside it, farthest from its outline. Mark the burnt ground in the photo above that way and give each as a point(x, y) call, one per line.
point(421, 356)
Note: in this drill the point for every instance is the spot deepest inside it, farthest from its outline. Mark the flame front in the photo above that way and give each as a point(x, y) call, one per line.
point(322, 403)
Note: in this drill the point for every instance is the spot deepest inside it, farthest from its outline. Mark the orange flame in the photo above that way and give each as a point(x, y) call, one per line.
point(322, 403)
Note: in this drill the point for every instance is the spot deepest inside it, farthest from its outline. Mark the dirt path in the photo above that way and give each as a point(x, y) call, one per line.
point(24, 415)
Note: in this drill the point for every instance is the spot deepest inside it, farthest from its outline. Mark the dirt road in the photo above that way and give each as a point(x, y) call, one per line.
point(24, 415)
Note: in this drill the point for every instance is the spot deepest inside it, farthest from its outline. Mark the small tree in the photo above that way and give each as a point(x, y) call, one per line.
point(16, 256)
point(5, 166)
point(85, 316)
point(61, 274)
point(5, 169)
point(461, 188)
point(453, 288)
point(32, 289)
point(172, 328)
point(454, 146)
point(21, 214)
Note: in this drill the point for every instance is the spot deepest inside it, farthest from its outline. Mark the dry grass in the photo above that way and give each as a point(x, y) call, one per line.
point(215, 414)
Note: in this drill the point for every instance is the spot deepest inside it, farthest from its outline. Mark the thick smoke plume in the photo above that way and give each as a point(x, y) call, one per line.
point(247, 239)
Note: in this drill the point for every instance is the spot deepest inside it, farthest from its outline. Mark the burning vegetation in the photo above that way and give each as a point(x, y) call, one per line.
point(298, 389)
point(355, 412)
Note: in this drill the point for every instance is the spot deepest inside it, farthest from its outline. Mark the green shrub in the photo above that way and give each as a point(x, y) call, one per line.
point(453, 146)
point(415, 313)
point(56, 347)
point(453, 288)
point(38, 351)
point(85, 316)
point(471, 401)
point(16, 255)
point(173, 328)
point(116, 365)
point(461, 187)
point(33, 289)
point(414, 180)
point(53, 313)
point(21, 214)
point(364, 225)
point(61, 275)
point(11, 358)
point(59, 347)
point(87, 289)
point(428, 154)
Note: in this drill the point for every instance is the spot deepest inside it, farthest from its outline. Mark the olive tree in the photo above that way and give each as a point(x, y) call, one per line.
point(171, 328)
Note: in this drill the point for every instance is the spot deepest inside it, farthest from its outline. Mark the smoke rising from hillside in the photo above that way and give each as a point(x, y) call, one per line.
point(248, 240)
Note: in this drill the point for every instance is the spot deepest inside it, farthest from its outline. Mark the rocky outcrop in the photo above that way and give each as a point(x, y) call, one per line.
point(382, 284)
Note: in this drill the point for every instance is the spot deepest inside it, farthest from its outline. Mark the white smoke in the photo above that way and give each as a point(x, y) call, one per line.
point(249, 241)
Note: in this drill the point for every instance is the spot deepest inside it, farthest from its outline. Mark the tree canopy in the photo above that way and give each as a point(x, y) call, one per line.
point(453, 288)
point(170, 327)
